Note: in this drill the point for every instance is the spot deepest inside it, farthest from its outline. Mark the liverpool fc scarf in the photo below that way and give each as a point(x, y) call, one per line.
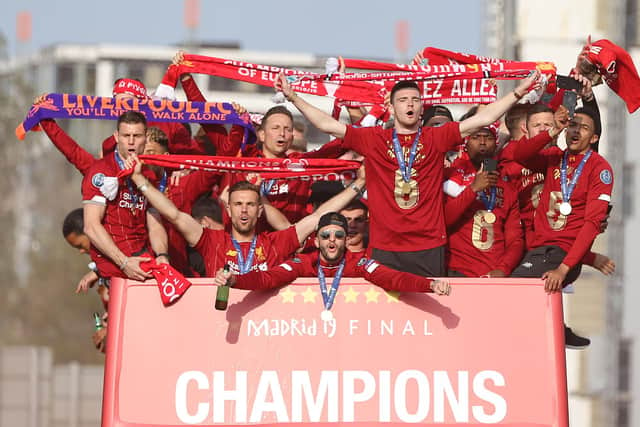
point(66, 106)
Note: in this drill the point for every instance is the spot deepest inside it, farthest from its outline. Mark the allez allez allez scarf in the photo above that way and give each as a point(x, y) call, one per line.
point(449, 84)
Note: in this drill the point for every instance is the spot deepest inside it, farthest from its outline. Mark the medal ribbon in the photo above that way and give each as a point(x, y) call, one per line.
point(243, 265)
point(568, 187)
point(266, 186)
point(329, 297)
point(490, 201)
point(405, 168)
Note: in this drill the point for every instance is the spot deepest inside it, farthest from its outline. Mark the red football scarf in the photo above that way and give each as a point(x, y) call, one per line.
point(454, 83)
point(171, 283)
point(268, 168)
point(617, 69)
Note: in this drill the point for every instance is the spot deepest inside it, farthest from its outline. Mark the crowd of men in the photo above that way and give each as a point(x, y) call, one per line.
point(435, 197)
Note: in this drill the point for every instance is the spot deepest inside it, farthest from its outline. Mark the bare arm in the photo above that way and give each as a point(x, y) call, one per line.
point(495, 110)
point(157, 236)
point(275, 218)
point(188, 227)
point(306, 225)
point(101, 239)
point(317, 117)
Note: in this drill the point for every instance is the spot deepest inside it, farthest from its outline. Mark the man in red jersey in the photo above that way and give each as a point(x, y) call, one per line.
point(243, 248)
point(115, 214)
point(538, 119)
point(574, 200)
point(406, 164)
point(332, 260)
point(482, 215)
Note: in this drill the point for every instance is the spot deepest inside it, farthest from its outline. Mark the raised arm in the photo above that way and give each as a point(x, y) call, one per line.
point(158, 237)
point(317, 117)
point(495, 110)
point(188, 227)
point(306, 225)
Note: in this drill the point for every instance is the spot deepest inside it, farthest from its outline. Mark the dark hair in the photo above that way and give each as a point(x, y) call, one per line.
point(244, 185)
point(436, 110)
point(356, 204)
point(321, 191)
point(404, 84)
point(206, 206)
point(156, 135)
point(597, 126)
point(470, 113)
point(73, 222)
point(538, 108)
point(278, 109)
point(132, 117)
point(514, 115)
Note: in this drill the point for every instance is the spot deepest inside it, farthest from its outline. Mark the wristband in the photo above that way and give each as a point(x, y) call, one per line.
point(517, 95)
point(144, 187)
point(124, 263)
point(357, 189)
point(164, 254)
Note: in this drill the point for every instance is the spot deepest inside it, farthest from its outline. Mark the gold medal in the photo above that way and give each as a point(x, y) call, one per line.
point(489, 217)
point(406, 189)
point(405, 193)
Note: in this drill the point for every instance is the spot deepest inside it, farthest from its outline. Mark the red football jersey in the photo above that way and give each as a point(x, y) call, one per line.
point(574, 233)
point(476, 246)
point(399, 222)
point(528, 184)
point(216, 248)
point(125, 217)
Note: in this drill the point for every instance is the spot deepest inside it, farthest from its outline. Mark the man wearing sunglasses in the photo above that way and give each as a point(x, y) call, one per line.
point(333, 260)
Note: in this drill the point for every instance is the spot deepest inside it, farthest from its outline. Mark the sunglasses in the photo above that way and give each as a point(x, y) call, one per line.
point(326, 234)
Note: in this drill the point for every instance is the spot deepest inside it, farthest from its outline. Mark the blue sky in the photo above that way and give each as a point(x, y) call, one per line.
point(328, 27)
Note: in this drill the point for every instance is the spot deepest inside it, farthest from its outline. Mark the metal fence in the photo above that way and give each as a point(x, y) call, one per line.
point(36, 393)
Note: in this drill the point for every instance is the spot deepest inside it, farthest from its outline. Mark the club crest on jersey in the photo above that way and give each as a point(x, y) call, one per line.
point(362, 262)
point(605, 177)
point(97, 180)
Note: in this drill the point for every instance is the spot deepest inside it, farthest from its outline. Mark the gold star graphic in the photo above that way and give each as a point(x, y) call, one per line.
point(351, 295)
point(372, 295)
point(392, 296)
point(309, 295)
point(287, 295)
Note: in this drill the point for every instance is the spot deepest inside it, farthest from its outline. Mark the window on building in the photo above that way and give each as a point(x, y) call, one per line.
point(65, 74)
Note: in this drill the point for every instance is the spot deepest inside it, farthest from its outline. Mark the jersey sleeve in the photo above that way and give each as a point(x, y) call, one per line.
point(275, 277)
point(390, 279)
point(598, 198)
point(455, 207)
point(75, 154)
point(527, 152)
point(330, 150)
point(359, 139)
point(446, 137)
point(91, 184)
